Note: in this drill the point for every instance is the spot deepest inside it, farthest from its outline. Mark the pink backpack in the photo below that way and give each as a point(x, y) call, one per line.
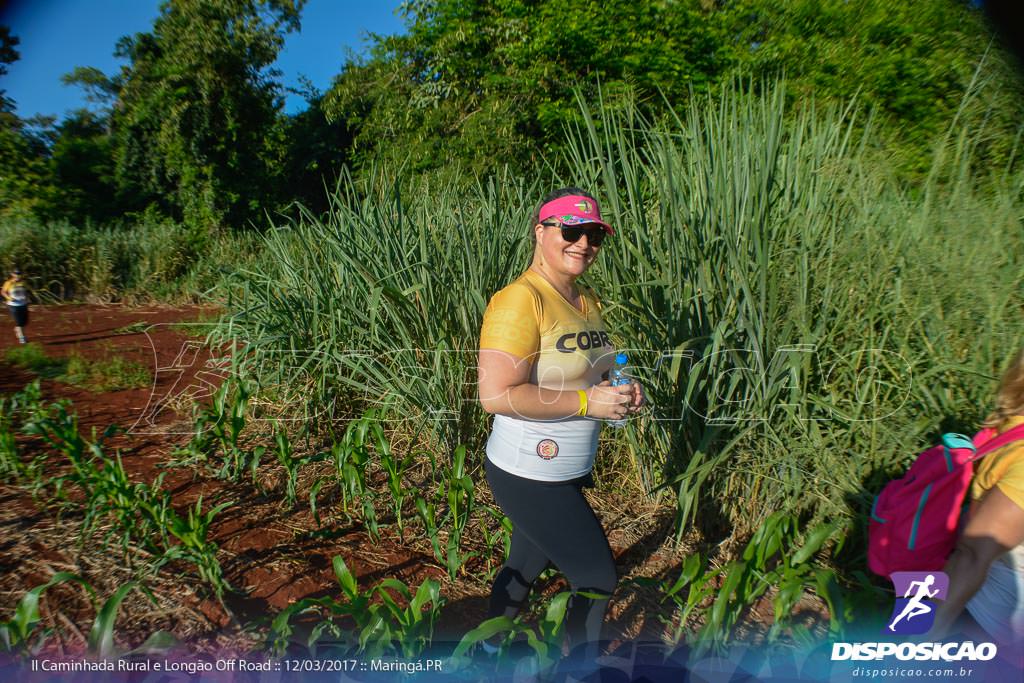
point(914, 519)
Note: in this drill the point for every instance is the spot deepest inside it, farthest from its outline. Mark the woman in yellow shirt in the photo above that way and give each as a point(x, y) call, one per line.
point(15, 295)
point(543, 354)
point(986, 570)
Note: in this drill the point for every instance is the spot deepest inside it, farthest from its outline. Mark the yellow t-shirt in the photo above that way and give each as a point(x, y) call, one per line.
point(1003, 468)
point(998, 606)
point(567, 348)
point(14, 292)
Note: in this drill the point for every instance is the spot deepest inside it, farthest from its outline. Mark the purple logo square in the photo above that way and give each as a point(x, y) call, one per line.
point(914, 611)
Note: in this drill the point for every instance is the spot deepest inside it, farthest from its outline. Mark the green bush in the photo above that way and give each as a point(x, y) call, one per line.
point(149, 259)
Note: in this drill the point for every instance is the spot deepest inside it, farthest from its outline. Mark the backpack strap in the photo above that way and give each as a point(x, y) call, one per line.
point(997, 442)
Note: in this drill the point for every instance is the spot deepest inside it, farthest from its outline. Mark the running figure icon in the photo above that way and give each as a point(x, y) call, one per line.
point(916, 606)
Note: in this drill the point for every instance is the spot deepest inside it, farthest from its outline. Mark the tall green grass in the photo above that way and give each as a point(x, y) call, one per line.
point(153, 259)
point(802, 320)
point(380, 304)
point(822, 321)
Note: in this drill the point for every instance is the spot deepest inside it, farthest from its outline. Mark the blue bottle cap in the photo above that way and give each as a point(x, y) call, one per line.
point(621, 358)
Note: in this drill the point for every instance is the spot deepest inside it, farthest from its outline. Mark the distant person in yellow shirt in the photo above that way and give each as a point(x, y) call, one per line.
point(15, 294)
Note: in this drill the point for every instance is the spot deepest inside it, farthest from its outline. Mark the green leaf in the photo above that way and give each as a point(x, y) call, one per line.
point(101, 636)
point(428, 592)
point(346, 579)
point(395, 585)
point(691, 567)
point(813, 543)
point(485, 630)
point(554, 616)
point(158, 642)
point(789, 593)
point(733, 577)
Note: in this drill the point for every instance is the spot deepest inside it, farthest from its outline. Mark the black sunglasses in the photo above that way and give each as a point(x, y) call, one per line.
point(572, 233)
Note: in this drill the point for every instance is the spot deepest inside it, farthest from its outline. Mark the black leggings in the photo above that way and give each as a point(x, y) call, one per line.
point(20, 315)
point(552, 522)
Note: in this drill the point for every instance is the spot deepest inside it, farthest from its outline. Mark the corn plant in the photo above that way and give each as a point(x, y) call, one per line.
point(395, 467)
point(454, 558)
point(459, 494)
point(770, 560)
point(141, 512)
point(137, 509)
point(100, 641)
point(351, 460)
point(500, 538)
point(18, 634)
point(314, 493)
point(220, 427)
point(427, 513)
point(194, 545)
point(59, 430)
point(255, 460)
point(28, 401)
point(287, 460)
point(21, 407)
point(384, 627)
point(700, 591)
point(292, 465)
point(12, 469)
point(545, 639)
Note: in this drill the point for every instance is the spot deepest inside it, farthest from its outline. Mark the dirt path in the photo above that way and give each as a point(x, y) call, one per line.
point(164, 340)
point(274, 555)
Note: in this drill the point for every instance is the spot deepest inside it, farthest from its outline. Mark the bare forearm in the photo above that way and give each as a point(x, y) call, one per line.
point(533, 402)
point(967, 572)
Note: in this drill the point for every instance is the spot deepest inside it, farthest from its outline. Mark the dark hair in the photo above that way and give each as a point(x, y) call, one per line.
point(560, 192)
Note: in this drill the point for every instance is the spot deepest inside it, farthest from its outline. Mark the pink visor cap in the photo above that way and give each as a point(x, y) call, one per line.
point(574, 210)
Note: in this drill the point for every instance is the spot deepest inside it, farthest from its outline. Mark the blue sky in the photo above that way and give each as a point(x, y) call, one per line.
point(58, 35)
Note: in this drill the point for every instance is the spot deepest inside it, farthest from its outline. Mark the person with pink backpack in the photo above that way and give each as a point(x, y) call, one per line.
point(986, 567)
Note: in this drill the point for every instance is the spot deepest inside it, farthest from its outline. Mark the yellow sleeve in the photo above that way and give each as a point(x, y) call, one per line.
point(1002, 469)
point(512, 322)
point(1012, 482)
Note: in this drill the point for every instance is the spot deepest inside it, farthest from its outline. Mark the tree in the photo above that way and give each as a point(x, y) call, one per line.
point(911, 62)
point(483, 83)
point(24, 171)
point(99, 88)
point(8, 55)
point(196, 109)
point(317, 150)
point(82, 170)
point(487, 83)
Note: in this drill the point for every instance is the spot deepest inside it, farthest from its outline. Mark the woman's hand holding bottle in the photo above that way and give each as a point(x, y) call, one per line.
point(608, 402)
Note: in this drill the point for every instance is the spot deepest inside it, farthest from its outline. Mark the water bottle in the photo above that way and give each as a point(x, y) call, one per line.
point(617, 376)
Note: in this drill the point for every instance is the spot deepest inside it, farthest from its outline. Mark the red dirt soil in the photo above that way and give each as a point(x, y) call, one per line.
point(278, 555)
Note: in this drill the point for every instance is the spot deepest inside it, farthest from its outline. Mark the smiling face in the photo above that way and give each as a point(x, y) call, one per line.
point(569, 259)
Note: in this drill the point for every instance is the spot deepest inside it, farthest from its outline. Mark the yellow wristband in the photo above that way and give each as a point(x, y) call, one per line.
point(582, 412)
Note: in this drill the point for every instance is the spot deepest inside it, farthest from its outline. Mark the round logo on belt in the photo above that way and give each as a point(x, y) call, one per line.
point(547, 449)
